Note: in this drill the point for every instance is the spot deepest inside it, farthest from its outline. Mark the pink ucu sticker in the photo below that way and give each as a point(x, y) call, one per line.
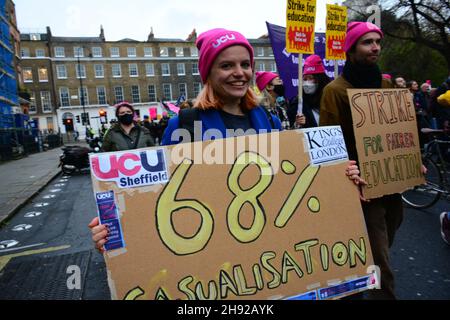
point(223, 39)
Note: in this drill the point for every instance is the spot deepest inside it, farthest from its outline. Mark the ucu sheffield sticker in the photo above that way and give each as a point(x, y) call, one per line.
point(131, 168)
point(224, 39)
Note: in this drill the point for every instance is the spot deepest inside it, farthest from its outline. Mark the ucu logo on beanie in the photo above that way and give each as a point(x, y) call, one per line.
point(223, 39)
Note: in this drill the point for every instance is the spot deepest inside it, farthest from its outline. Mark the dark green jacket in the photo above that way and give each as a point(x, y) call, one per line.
point(117, 140)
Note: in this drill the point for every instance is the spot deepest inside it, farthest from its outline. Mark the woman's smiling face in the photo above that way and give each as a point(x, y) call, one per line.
point(231, 74)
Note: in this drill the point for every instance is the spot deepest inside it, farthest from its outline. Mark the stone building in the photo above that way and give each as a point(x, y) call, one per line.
point(71, 76)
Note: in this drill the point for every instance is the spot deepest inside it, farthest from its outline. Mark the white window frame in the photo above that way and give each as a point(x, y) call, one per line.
point(97, 75)
point(184, 85)
point(149, 67)
point(197, 88)
point(30, 69)
point(119, 69)
point(131, 50)
point(114, 52)
point(38, 52)
point(261, 67)
point(61, 71)
point(260, 51)
point(148, 52)
point(167, 85)
point(60, 52)
point(194, 52)
point(25, 52)
point(86, 96)
point(78, 52)
point(35, 36)
point(133, 66)
point(98, 95)
point(163, 69)
point(183, 69)
point(97, 52)
point(133, 94)
point(153, 87)
point(33, 107)
point(39, 74)
point(193, 71)
point(67, 91)
point(46, 104)
point(115, 94)
point(273, 67)
point(163, 51)
point(80, 71)
point(179, 51)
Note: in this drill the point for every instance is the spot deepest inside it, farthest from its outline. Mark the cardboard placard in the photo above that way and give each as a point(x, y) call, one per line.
point(387, 140)
point(300, 22)
point(280, 221)
point(336, 32)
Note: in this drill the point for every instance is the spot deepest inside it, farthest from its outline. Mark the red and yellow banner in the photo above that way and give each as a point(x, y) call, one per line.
point(300, 22)
point(336, 31)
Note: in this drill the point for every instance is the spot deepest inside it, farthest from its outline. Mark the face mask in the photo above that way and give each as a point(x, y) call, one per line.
point(126, 119)
point(310, 87)
point(279, 90)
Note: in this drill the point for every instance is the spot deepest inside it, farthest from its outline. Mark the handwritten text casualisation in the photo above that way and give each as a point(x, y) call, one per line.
point(270, 272)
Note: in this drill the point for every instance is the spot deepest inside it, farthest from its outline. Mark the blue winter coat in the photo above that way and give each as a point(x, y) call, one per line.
point(211, 119)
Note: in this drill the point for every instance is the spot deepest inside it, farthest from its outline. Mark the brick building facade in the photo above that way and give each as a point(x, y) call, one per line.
point(55, 69)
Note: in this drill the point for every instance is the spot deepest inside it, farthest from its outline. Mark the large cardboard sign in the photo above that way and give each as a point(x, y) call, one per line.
point(387, 140)
point(300, 22)
point(274, 221)
point(336, 32)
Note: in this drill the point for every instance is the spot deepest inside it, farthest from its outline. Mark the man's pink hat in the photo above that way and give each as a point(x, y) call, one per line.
point(212, 42)
point(264, 78)
point(313, 65)
point(356, 30)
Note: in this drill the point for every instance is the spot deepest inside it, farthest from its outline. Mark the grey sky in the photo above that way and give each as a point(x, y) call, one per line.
point(169, 18)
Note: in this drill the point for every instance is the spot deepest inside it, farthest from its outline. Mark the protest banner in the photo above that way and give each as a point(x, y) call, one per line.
point(288, 63)
point(387, 140)
point(275, 222)
point(300, 23)
point(336, 32)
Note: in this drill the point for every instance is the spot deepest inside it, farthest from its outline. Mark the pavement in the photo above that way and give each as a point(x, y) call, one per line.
point(22, 179)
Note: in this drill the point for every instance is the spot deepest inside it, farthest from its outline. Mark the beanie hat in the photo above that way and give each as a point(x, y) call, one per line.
point(356, 30)
point(313, 65)
point(212, 42)
point(123, 104)
point(264, 78)
point(386, 76)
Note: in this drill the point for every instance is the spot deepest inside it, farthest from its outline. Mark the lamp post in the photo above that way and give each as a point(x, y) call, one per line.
point(83, 117)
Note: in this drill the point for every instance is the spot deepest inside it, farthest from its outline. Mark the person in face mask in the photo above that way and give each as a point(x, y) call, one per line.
point(314, 80)
point(272, 96)
point(126, 134)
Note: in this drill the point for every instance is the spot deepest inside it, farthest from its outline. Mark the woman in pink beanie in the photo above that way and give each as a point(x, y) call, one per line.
point(272, 96)
point(314, 80)
point(226, 102)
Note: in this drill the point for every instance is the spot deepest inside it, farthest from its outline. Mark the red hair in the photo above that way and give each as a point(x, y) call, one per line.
point(208, 99)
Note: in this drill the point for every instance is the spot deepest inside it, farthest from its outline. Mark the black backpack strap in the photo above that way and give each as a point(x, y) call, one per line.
point(138, 137)
point(186, 119)
point(269, 117)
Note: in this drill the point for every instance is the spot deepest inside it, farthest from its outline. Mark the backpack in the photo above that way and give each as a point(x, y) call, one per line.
point(187, 117)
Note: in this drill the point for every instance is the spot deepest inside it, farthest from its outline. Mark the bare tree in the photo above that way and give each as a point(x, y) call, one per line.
point(425, 22)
